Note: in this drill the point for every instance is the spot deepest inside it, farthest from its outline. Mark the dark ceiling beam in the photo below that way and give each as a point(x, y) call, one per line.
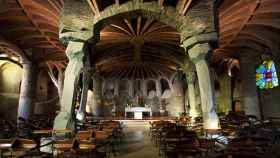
point(160, 2)
point(251, 12)
point(186, 7)
point(122, 29)
point(92, 7)
point(130, 27)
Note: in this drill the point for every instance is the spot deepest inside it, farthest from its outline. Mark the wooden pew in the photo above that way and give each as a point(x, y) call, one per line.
point(6, 145)
point(17, 145)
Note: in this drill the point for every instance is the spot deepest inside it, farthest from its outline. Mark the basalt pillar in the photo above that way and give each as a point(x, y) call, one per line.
point(27, 90)
point(178, 102)
point(191, 77)
point(82, 108)
point(198, 55)
point(250, 99)
point(66, 117)
point(97, 107)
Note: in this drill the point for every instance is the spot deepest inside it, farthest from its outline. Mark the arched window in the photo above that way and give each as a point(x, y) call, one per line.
point(151, 88)
point(164, 85)
point(266, 76)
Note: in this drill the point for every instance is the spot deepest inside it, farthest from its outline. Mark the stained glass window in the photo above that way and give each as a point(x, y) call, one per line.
point(266, 76)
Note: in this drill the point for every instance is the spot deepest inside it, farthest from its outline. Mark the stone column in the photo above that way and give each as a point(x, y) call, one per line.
point(130, 88)
point(191, 77)
point(158, 88)
point(75, 53)
point(178, 102)
point(82, 109)
point(198, 55)
point(27, 90)
point(97, 107)
point(250, 99)
point(116, 87)
point(144, 88)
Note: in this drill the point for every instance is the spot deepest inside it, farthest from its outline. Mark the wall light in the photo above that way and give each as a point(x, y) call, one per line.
point(4, 55)
point(15, 58)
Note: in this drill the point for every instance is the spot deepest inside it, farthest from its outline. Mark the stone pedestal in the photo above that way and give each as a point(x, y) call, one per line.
point(27, 90)
point(198, 56)
point(75, 53)
point(250, 100)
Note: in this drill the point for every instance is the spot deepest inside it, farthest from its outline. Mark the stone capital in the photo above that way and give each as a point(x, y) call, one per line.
point(75, 50)
point(78, 36)
point(196, 39)
point(249, 58)
point(199, 52)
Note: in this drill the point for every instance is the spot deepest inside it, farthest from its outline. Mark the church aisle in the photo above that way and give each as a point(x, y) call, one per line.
point(136, 141)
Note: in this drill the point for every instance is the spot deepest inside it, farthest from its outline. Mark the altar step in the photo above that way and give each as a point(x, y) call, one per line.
point(135, 122)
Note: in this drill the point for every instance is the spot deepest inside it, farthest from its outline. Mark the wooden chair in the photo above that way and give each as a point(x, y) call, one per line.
point(6, 146)
point(23, 146)
point(88, 135)
point(62, 146)
point(85, 148)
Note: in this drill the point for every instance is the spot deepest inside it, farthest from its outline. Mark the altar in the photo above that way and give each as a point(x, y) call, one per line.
point(138, 112)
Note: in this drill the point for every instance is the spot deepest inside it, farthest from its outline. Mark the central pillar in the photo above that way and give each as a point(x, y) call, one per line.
point(198, 55)
point(250, 99)
point(66, 118)
point(82, 109)
point(177, 106)
point(97, 107)
point(27, 90)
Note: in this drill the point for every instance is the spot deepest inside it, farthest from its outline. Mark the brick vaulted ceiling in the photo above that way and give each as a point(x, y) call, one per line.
point(32, 24)
point(250, 24)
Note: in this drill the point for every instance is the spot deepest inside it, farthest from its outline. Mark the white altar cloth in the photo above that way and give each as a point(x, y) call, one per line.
point(138, 111)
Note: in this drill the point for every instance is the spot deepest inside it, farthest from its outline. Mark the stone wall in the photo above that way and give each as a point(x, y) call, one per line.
point(223, 94)
point(160, 94)
point(270, 100)
point(10, 78)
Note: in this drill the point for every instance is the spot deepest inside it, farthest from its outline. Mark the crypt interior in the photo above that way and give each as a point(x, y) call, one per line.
point(140, 78)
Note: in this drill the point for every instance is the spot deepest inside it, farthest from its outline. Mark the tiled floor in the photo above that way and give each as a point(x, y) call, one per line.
point(136, 142)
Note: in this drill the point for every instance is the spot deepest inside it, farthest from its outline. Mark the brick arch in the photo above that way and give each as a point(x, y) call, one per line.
point(187, 25)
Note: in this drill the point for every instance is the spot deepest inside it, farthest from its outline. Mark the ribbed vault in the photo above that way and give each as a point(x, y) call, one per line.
point(138, 48)
point(243, 24)
point(250, 24)
point(33, 24)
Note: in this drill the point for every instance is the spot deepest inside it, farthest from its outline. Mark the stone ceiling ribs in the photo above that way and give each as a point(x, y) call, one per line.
point(252, 24)
point(250, 21)
point(117, 48)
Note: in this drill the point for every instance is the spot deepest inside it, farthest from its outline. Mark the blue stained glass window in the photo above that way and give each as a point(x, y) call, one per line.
point(266, 76)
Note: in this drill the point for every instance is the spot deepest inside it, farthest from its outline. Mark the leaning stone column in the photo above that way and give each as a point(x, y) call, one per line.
point(27, 90)
point(191, 76)
point(198, 56)
point(250, 99)
point(75, 53)
point(82, 109)
point(97, 107)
